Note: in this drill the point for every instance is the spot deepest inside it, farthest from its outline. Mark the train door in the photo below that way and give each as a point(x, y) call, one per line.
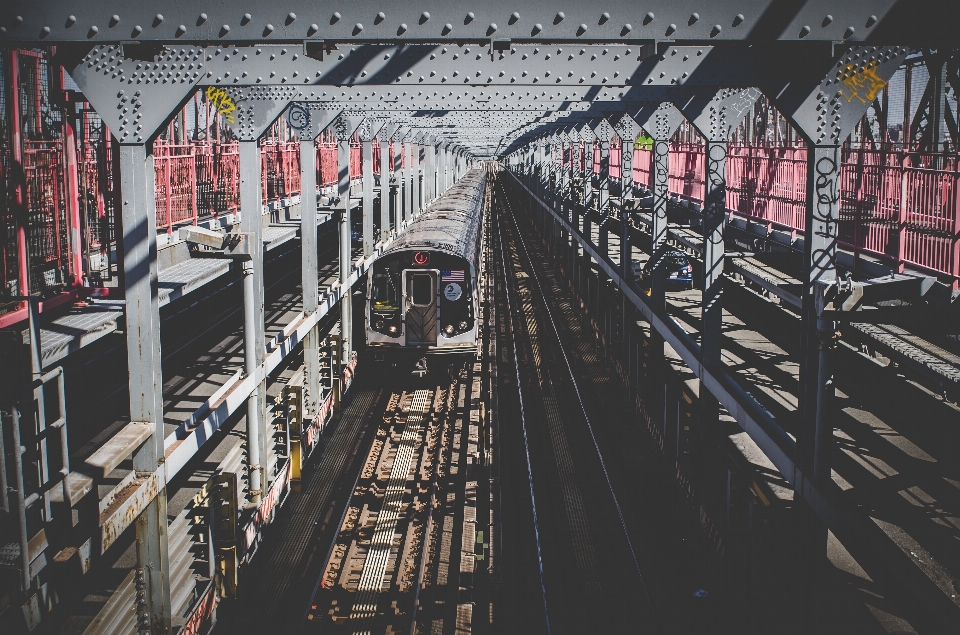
point(420, 307)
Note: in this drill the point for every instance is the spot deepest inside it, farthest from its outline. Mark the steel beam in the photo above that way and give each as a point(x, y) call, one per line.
point(60, 21)
point(142, 311)
point(308, 121)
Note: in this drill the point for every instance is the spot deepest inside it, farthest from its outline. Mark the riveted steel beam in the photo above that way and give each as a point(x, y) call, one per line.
point(229, 21)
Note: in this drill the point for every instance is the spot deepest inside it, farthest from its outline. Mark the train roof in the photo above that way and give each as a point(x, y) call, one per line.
point(452, 223)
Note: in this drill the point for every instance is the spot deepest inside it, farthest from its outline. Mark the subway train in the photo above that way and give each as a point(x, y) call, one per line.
point(422, 296)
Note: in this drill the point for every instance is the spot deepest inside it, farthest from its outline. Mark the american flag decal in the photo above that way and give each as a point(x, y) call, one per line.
point(448, 275)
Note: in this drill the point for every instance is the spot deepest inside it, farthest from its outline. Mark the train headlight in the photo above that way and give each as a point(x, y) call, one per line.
point(448, 329)
point(463, 326)
point(392, 329)
point(379, 325)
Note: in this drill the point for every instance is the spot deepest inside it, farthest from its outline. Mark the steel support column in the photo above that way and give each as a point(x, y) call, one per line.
point(367, 198)
point(142, 312)
point(309, 273)
point(345, 257)
point(818, 338)
point(626, 213)
point(603, 195)
point(407, 182)
point(384, 188)
point(251, 221)
point(414, 178)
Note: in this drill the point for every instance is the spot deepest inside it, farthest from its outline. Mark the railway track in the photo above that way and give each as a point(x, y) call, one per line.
point(590, 573)
point(393, 563)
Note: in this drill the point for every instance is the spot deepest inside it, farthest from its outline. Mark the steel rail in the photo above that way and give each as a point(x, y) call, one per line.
point(523, 425)
point(586, 417)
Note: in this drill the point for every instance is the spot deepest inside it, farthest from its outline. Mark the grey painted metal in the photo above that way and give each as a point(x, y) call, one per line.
point(345, 126)
point(142, 312)
point(308, 120)
point(367, 160)
point(384, 140)
point(59, 21)
point(714, 117)
point(415, 195)
point(254, 331)
point(628, 130)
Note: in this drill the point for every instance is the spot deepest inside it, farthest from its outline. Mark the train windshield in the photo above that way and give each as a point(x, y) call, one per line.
point(386, 290)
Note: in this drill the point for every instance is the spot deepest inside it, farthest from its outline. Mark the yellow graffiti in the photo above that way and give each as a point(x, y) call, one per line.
point(222, 101)
point(865, 81)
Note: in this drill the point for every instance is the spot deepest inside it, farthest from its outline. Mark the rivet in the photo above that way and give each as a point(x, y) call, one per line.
point(313, 29)
point(71, 20)
point(693, 18)
point(581, 29)
point(180, 30)
point(224, 30)
point(357, 28)
point(157, 19)
point(402, 29)
point(335, 17)
point(871, 21)
point(671, 29)
point(827, 19)
point(848, 32)
point(424, 16)
point(267, 30)
point(45, 30)
point(201, 19)
point(715, 31)
point(446, 28)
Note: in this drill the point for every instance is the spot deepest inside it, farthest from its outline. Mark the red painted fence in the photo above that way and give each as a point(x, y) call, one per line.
point(894, 205)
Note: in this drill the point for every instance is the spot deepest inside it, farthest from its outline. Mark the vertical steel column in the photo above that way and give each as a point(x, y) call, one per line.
point(418, 179)
point(407, 182)
point(142, 312)
point(367, 198)
point(714, 216)
point(818, 339)
point(432, 171)
point(309, 273)
point(72, 188)
point(346, 259)
point(396, 183)
point(254, 332)
point(626, 212)
point(585, 268)
point(19, 186)
point(603, 196)
point(576, 175)
point(661, 194)
point(384, 189)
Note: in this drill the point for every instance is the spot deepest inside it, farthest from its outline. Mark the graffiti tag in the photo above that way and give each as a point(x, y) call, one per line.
point(223, 102)
point(863, 84)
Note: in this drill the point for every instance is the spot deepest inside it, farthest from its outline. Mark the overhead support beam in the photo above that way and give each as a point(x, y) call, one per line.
point(61, 21)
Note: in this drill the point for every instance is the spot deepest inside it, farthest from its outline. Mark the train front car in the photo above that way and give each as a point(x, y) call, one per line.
point(422, 292)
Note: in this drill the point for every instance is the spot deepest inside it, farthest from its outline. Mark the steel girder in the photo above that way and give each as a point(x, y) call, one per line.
point(230, 21)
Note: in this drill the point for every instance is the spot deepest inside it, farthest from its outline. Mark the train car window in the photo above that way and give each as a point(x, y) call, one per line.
point(421, 288)
point(386, 295)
